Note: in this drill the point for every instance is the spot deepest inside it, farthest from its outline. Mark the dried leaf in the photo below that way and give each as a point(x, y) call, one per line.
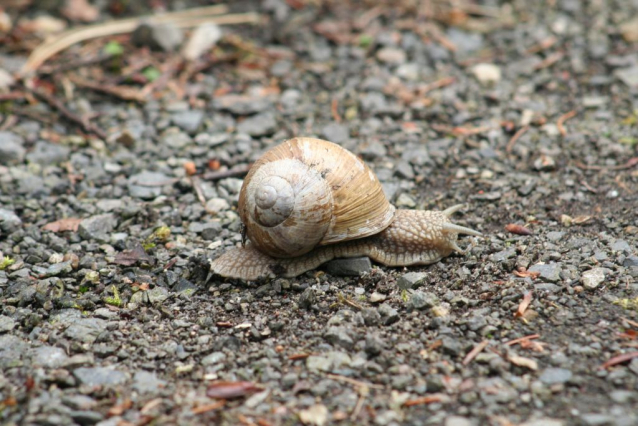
point(295, 357)
point(523, 362)
point(80, 10)
point(62, 225)
point(517, 229)
point(525, 274)
point(130, 257)
point(619, 360)
point(316, 415)
point(579, 220)
point(339, 32)
point(121, 408)
point(209, 407)
point(425, 400)
point(522, 307)
point(229, 390)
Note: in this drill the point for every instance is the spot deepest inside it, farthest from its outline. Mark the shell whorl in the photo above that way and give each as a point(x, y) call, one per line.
point(289, 208)
point(307, 192)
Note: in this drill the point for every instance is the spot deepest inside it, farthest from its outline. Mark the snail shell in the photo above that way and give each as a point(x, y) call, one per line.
point(309, 192)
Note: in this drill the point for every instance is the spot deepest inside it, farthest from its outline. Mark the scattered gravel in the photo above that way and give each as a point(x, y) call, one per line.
point(113, 318)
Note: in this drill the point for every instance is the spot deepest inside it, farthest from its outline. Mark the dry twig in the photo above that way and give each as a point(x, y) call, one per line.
point(353, 381)
point(561, 121)
point(475, 351)
point(68, 114)
point(515, 138)
point(183, 19)
point(618, 360)
point(234, 172)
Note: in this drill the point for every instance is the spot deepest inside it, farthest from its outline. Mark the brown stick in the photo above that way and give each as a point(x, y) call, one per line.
point(122, 92)
point(234, 172)
point(475, 351)
point(68, 114)
point(516, 137)
point(562, 119)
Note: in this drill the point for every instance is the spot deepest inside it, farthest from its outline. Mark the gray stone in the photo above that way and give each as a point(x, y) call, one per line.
point(374, 102)
point(307, 299)
point(555, 375)
point(242, 104)
point(545, 421)
point(503, 255)
point(404, 170)
point(451, 346)
point(147, 382)
point(593, 278)
point(147, 185)
point(629, 76)
point(466, 42)
point(623, 396)
point(176, 140)
point(157, 294)
point(389, 315)
point(598, 419)
point(374, 345)
point(9, 221)
point(54, 270)
point(45, 153)
point(458, 421)
point(185, 288)
point(6, 323)
point(422, 300)
point(11, 149)
point(79, 402)
point(630, 261)
point(621, 245)
point(49, 357)
point(100, 376)
point(411, 280)
point(339, 336)
point(391, 55)
point(159, 36)
point(370, 316)
point(335, 132)
point(373, 151)
point(216, 205)
point(214, 358)
point(85, 330)
point(189, 121)
point(548, 272)
point(350, 267)
point(546, 287)
point(98, 227)
point(84, 417)
point(315, 363)
point(281, 68)
point(263, 124)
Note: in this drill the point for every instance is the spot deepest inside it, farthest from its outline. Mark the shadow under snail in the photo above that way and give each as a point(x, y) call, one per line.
point(308, 201)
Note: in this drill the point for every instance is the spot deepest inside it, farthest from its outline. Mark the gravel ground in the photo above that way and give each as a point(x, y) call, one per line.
point(109, 316)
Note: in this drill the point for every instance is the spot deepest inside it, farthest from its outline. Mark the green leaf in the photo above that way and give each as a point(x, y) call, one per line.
point(6, 262)
point(151, 73)
point(365, 40)
point(113, 48)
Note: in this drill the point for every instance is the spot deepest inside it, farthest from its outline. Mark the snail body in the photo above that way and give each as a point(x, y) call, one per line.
point(308, 201)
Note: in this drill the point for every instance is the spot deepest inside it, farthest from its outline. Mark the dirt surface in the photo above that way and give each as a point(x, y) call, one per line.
point(120, 167)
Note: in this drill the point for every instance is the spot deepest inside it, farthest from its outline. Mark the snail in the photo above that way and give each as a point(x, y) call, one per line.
point(308, 201)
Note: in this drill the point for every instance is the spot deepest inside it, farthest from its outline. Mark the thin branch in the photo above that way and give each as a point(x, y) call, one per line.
point(234, 172)
point(68, 114)
point(185, 19)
